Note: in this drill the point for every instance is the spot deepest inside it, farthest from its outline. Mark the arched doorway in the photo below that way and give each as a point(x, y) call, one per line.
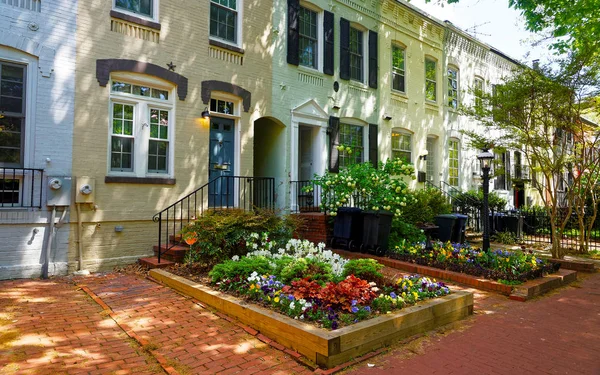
point(270, 155)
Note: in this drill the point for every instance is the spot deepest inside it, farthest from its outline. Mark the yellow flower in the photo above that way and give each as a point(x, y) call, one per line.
point(276, 300)
point(252, 286)
point(416, 295)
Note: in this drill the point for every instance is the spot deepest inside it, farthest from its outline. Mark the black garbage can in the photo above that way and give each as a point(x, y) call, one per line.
point(376, 231)
point(446, 226)
point(458, 234)
point(347, 228)
point(497, 222)
point(513, 224)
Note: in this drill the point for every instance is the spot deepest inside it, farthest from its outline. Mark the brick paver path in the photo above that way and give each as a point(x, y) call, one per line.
point(555, 334)
point(52, 327)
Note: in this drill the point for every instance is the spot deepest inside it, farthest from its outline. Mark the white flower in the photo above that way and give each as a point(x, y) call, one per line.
point(292, 305)
point(235, 258)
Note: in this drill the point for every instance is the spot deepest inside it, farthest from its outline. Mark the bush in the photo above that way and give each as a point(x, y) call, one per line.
point(222, 234)
point(305, 268)
point(242, 268)
point(402, 233)
point(366, 269)
point(506, 238)
point(474, 199)
point(427, 205)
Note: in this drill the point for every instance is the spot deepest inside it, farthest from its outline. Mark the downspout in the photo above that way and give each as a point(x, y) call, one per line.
point(79, 235)
point(52, 227)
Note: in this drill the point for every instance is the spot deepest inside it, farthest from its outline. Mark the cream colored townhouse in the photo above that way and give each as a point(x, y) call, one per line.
point(37, 96)
point(148, 73)
point(470, 66)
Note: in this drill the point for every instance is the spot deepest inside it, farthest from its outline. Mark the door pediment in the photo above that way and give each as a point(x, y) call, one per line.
point(310, 109)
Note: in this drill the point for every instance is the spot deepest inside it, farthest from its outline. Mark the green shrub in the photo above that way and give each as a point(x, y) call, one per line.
point(306, 268)
point(222, 234)
point(402, 233)
point(242, 268)
point(427, 205)
point(366, 269)
point(474, 199)
point(506, 238)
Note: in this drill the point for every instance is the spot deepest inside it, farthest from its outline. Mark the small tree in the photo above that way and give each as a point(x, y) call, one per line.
point(538, 111)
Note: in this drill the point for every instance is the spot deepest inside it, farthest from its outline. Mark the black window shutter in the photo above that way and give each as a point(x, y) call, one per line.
point(372, 59)
point(334, 141)
point(344, 49)
point(293, 32)
point(373, 151)
point(328, 45)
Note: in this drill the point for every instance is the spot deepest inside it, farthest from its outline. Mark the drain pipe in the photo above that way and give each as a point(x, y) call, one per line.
point(79, 236)
point(52, 228)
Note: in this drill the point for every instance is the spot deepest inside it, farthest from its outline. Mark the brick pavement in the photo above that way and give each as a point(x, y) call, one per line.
point(555, 334)
point(192, 339)
point(50, 327)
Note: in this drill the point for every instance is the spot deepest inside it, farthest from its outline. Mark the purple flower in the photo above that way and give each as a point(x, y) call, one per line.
point(291, 297)
point(354, 309)
point(334, 324)
point(353, 302)
point(368, 308)
point(393, 295)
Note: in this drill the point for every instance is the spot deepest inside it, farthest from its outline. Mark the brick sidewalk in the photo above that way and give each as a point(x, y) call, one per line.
point(555, 334)
point(49, 327)
point(192, 339)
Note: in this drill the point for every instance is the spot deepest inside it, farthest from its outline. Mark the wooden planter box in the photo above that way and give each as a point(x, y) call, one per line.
point(329, 348)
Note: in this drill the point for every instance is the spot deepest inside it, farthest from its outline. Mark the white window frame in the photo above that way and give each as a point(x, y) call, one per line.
point(365, 134)
point(141, 124)
point(403, 48)
point(155, 8)
point(238, 32)
point(450, 167)
point(320, 36)
point(426, 80)
point(477, 100)
point(402, 133)
point(456, 91)
point(365, 60)
point(432, 154)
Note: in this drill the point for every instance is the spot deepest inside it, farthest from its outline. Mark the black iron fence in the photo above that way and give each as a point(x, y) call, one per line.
point(221, 193)
point(305, 196)
point(21, 187)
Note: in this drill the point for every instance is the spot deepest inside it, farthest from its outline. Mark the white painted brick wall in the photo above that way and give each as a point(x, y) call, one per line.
point(49, 127)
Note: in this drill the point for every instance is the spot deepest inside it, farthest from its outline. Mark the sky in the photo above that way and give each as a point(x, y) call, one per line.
point(491, 21)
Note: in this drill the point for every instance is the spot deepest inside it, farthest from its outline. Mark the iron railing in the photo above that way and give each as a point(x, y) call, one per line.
point(306, 196)
point(221, 193)
point(21, 187)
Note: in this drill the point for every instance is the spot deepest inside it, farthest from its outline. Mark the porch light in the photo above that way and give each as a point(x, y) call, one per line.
point(206, 113)
point(485, 158)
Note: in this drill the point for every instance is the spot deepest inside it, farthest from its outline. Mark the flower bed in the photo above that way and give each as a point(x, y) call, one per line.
point(507, 266)
point(307, 282)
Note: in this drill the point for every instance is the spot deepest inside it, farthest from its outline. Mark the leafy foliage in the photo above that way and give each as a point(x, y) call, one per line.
point(341, 295)
point(473, 199)
point(242, 268)
point(428, 203)
point(222, 234)
point(366, 269)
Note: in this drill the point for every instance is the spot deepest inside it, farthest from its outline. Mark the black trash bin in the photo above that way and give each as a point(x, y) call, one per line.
point(347, 228)
point(458, 235)
point(376, 231)
point(497, 222)
point(446, 226)
point(513, 224)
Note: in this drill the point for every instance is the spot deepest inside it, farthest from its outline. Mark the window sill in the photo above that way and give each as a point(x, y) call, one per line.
point(139, 180)
point(309, 70)
point(432, 105)
point(226, 46)
point(133, 19)
point(399, 95)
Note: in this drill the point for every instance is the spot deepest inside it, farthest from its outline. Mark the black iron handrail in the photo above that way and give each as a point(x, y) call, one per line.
point(307, 196)
point(21, 187)
point(223, 192)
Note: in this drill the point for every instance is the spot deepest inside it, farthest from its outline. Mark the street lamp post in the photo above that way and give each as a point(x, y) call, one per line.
point(486, 157)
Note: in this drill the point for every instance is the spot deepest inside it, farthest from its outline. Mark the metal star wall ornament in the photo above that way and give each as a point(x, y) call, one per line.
point(171, 66)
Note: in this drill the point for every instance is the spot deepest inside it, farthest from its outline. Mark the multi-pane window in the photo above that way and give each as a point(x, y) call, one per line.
point(478, 92)
point(453, 162)
point(308, 42)
point(143, 7)
point(12, 121)
point(122, 137)
point(431, 159)
point(430, 80)
point(158, 147)
point(398, 72)
point(9, 191)
point(351, 138)
point(356, 54)
point(140, 129)
point(453, 88)
point(223, 19)
point(401, 146)
point(222, 106)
